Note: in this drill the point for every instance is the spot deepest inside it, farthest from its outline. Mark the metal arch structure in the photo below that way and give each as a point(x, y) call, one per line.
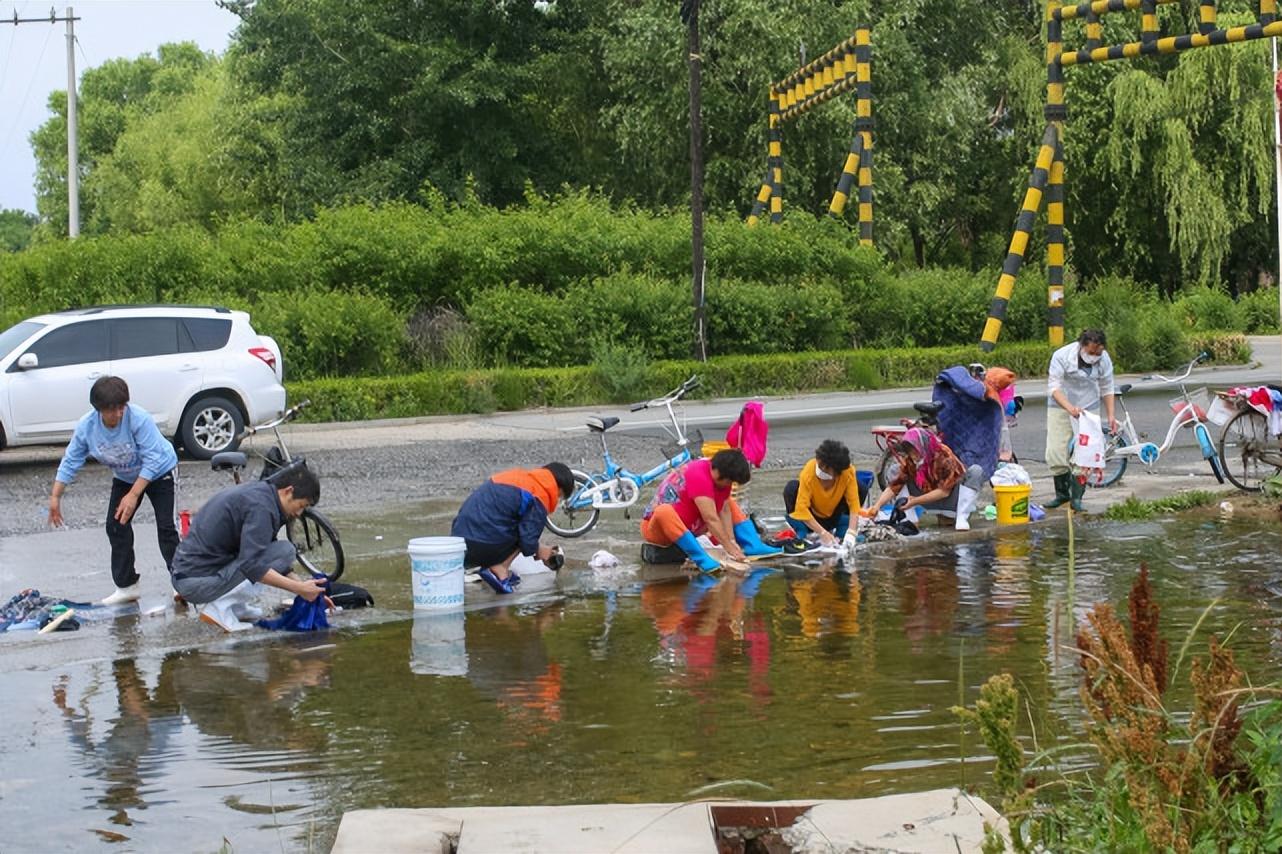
point(1047, 178)
point(847, 66)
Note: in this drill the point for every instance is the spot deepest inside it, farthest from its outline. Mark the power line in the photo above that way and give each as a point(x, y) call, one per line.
point(23, 104)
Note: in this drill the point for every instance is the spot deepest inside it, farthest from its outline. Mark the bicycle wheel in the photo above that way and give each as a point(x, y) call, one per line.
point(319, 549)
point(569, 521)
point(884, 463)
point(1242, 448)
point(1114, 464)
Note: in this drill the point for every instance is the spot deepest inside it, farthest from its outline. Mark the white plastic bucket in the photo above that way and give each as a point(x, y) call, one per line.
point(436, 568)
point(438, 644)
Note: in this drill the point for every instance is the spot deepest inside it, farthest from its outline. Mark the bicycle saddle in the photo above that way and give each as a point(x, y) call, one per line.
point(227, 460)
point(600, 423)
point(932, 408)
point(1122, 389)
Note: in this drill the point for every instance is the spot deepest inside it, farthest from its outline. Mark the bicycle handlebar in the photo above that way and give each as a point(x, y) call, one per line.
point(1199, 359)
point(285, 417)
point(676, 394)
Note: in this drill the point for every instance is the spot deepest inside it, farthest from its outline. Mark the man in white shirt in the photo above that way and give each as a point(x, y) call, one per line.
point(1080, 376)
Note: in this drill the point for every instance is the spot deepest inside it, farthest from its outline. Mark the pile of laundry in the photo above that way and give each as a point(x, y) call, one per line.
point(1266, 400)
point(31, 611)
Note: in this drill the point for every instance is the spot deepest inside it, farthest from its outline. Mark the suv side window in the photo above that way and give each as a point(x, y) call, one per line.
point(73, 344)
point(134, 337)
point(205, 333)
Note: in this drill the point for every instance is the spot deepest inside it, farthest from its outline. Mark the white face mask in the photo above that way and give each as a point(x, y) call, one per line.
point(821, 474)
point(1088, 358)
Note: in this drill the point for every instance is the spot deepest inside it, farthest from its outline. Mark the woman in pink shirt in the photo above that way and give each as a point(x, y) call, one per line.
point(695, 499)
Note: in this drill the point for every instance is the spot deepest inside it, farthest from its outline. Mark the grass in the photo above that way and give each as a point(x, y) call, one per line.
point(1138, 509)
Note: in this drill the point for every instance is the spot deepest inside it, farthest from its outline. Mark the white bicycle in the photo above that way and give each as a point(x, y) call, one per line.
point(1189, 411)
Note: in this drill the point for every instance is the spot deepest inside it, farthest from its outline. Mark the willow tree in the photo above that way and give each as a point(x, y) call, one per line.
point(1194, 147)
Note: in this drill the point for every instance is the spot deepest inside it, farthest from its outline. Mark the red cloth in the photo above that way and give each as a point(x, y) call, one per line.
point(748, 432)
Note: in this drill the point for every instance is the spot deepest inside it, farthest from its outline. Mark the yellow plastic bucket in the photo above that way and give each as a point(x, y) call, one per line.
point(1012, 504)
point(710, 448)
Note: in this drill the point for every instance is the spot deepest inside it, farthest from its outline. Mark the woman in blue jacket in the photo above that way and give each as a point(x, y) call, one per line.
point(125, 439)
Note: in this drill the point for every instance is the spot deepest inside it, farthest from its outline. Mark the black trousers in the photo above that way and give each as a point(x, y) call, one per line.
point(828, 523)
point(160, 492)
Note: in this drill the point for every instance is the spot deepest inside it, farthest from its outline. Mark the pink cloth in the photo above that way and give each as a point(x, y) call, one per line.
point(749, 431)
point(680, 489)
point(925, 443)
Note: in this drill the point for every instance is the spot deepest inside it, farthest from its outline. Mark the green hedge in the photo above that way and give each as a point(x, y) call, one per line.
point(558, 282)
point(458, 392)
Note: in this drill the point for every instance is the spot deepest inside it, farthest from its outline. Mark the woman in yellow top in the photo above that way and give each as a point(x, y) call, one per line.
point(821, 499)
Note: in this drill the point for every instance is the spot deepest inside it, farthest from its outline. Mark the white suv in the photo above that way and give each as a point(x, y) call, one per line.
point(202, 373)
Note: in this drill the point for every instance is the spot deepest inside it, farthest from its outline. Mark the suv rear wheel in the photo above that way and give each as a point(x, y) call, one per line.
point(211, 425)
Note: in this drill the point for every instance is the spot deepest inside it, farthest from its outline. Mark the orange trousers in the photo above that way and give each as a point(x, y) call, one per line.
point(664, 527)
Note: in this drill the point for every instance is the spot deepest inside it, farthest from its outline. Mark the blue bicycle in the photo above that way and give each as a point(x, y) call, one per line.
point(615, 487)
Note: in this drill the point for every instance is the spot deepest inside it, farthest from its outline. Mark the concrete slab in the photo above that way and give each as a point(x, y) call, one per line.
point(942, 820)
point(400, 830)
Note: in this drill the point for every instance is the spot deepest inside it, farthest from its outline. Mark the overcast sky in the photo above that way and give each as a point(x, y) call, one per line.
point(33, 63)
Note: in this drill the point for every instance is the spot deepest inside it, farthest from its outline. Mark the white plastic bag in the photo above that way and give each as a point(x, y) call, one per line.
point(1010, 474)
point(1088, 448)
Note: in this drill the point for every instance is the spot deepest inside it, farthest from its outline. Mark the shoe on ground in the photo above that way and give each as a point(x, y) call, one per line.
point(245, 611)
point(179, 600)
point(512, 578)
point(220, 615)
point(501, 586)
point(124, 594)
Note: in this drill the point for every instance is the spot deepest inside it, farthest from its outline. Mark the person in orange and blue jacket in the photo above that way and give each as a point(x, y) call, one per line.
point(505, 516)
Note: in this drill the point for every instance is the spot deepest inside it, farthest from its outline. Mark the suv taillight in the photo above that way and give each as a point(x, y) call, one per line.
point(264, 353)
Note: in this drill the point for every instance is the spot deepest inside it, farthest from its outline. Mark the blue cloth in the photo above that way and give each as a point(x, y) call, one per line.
point(302, 616)
point(133, 449)
point(500, 514)
point(30, 610)
point(970, 423)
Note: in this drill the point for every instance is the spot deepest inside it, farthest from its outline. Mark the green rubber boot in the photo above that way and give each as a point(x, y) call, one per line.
point(1063, 493)
point(1076, 489)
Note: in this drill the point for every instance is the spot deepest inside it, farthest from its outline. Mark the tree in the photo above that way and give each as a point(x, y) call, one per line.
point(111, 97)
point(16, 229)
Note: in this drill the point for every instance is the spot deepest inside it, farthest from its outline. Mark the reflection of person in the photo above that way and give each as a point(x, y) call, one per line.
point(931, 477)
point(696, 498)
point(1080, 376)
point(505, 516)
point(232, 548)
point(124, 438)
point(823, 496)
point(142, 728)
point(827, 605)
point(266, 681)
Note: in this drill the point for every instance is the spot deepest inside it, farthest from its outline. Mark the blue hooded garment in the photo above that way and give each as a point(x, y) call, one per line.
point(970, 423)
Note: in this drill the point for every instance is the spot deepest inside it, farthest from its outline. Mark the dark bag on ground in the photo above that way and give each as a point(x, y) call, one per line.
point(349, 596)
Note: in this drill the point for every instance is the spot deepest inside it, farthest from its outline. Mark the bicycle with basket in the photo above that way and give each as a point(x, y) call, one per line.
point(615, 487)
point(1189, 410)
point(1250, 445)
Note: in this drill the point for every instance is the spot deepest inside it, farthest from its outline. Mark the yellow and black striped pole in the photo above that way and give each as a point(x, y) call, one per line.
point(1148, 22)
point(864, 127)
point(1206, 17)
point(776, 159)
point(763, 199)
point(1268, 11)
point(849, 173)
point(1094, 31)
point(1055, 247)
point(1019, 240)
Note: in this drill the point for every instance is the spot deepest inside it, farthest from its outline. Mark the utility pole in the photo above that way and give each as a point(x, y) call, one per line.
point(73, 147)
point(690, 16)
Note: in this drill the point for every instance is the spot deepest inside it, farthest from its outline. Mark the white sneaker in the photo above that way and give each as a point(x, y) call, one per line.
point(123, 595)
point(219, 613)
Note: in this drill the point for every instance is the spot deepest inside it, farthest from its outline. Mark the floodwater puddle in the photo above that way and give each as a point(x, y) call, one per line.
point(626, 685)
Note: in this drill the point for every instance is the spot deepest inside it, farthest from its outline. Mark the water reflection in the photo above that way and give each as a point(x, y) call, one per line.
point(132, 752)
point(645, 687)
